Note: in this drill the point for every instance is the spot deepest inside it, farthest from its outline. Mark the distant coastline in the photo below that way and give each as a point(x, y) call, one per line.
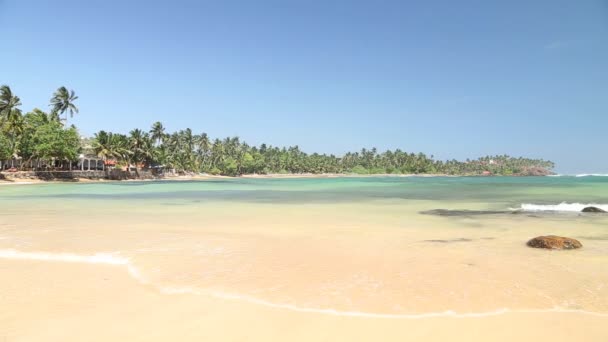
point(24, 178)
point(42, 143)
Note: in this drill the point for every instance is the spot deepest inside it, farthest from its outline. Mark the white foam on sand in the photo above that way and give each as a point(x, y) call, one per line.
point(334, 312)
point(113, 259)
point(97, 258)
point(566, 207)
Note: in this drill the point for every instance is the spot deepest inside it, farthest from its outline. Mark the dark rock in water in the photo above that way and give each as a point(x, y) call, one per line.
point(593, 210)
point(554, 242)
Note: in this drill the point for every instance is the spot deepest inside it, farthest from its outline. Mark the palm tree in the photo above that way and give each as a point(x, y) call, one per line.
point(140, 147)
point(157, 132)
point(9, 105)
point(62, 102)
point(202, 150)
point(10, 114)
point(102, 145)
point(119, 144)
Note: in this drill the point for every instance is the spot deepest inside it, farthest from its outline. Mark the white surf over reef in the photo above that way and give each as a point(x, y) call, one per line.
point(582, 175)
point(564, 206)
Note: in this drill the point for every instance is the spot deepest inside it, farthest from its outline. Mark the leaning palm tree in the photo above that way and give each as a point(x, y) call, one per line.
point(62, 102)
point(9, 103)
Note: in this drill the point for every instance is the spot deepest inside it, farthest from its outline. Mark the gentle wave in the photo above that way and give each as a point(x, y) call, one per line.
point(566, 207)
point(112, 259)
point(97, 258)
point(334, 312)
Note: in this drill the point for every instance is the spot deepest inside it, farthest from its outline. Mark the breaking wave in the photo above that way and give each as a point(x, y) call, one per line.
point(581, 175)
point(565, 207)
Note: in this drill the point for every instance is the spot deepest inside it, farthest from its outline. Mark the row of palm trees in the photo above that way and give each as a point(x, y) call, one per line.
point(185, 151)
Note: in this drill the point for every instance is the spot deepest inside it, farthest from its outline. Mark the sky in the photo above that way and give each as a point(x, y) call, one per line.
point(453, 79)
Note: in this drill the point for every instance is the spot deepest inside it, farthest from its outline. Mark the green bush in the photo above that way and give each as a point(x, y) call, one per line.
point(377, 170)
point(360, 170)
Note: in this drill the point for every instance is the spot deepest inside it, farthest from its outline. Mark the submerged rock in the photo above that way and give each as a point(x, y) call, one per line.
point(593, 210)
point(554, 242)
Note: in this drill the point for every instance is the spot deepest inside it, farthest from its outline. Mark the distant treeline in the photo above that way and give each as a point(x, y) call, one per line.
point(185, 151)
point(39, 135)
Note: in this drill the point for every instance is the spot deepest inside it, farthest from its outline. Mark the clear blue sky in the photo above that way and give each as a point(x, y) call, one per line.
point(455, 79)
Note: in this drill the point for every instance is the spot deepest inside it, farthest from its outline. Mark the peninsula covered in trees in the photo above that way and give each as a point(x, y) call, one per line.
point(42, 140)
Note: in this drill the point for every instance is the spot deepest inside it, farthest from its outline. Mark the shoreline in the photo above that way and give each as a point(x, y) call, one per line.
point(201, 177)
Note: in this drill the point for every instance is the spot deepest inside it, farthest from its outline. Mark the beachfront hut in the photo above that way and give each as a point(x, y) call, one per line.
point(90, 163)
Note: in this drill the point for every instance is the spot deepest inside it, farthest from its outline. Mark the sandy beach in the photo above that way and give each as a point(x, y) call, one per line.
point(54, 301)
point(341, 259)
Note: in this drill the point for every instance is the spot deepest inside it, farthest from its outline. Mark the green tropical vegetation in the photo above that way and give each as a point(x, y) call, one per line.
point(41, 139)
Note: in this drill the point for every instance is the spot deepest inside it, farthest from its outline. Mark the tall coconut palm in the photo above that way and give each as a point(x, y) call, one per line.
point(157, 132)
point(62, 102)
point(202, 150)
point(140, 147)
point(10, 115)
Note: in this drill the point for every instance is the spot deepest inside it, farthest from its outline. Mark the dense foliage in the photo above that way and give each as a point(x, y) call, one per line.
point(185, 151)
point(38, 135)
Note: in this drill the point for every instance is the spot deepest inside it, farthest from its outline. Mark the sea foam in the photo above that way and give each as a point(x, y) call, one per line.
point(564, 206)
point(97, 258)
point(364, 314)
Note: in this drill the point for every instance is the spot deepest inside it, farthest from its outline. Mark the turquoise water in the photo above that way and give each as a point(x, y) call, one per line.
point(498, 192)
